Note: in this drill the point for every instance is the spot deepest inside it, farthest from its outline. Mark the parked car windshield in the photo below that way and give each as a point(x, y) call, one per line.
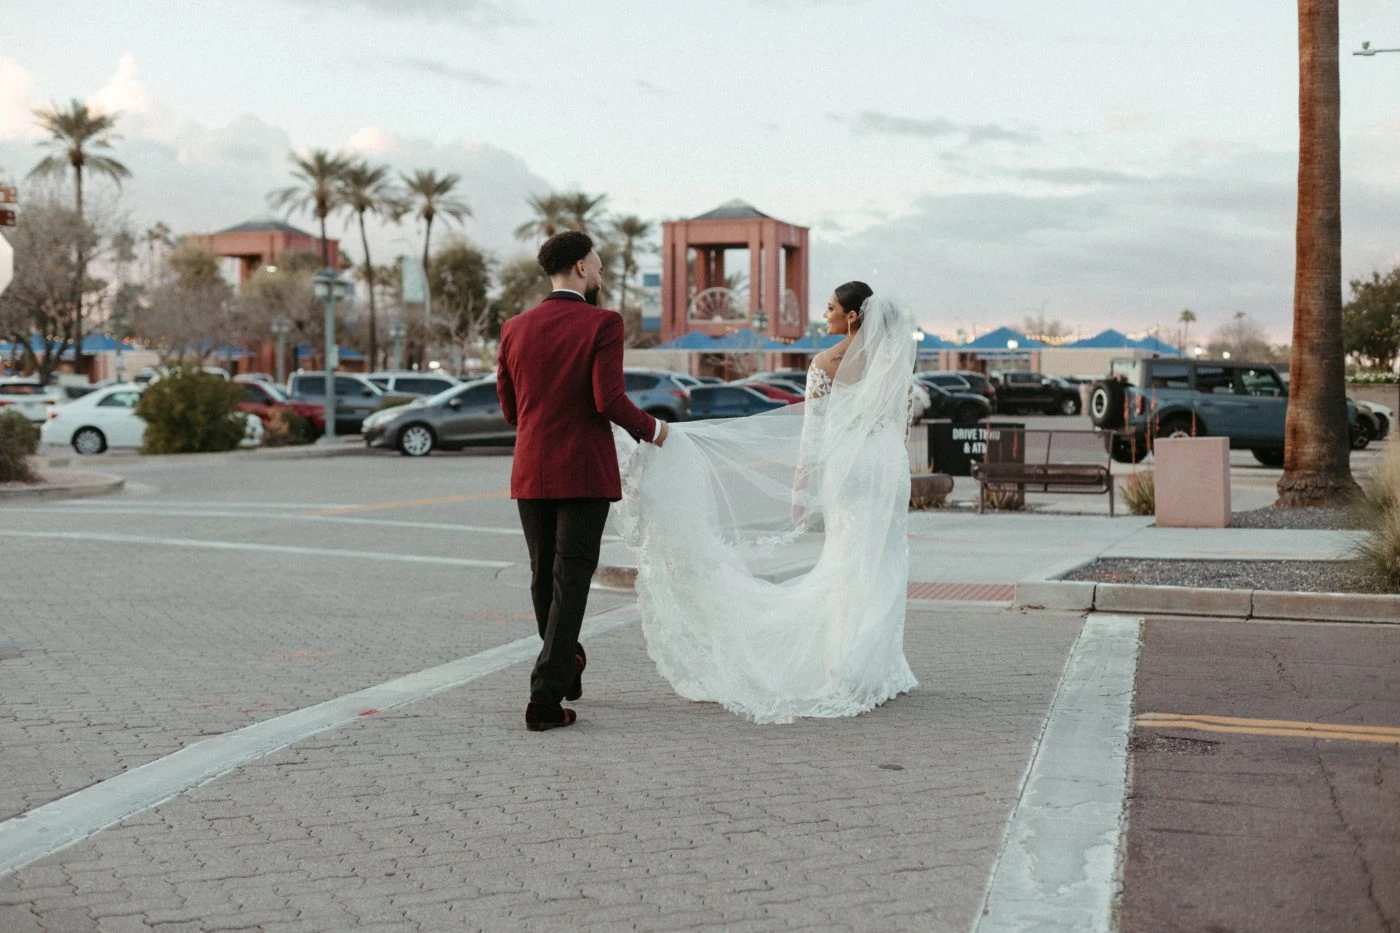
point(446, 395)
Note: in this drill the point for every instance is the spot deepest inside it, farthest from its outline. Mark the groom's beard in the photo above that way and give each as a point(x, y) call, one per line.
point(591, 295)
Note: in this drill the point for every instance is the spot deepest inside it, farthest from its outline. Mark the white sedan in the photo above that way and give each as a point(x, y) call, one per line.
point(107, 419)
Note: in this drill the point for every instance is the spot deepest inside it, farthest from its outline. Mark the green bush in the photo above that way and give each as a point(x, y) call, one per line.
point(189, 411)
point(287, 429)
point(18, 439)
point(1374, 377)
point(1140, 493)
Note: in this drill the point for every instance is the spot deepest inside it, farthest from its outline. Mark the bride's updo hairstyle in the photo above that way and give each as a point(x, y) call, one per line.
point(852, 296)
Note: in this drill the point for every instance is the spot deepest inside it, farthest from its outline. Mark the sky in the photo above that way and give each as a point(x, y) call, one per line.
point(1102, 163)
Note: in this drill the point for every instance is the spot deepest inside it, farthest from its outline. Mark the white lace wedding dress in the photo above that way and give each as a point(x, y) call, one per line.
point(772, 551)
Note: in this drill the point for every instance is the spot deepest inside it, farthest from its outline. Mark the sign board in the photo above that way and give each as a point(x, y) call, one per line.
point(8, 218)
point(9, 194)
point(7, 263)
point(651, 302)
point(414, 281)
point(954, 446)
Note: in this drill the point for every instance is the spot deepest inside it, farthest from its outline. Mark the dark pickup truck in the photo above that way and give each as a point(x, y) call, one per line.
point(1021, 391)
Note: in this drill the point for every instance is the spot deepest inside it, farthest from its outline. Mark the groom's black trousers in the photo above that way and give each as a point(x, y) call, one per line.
point(564, 537)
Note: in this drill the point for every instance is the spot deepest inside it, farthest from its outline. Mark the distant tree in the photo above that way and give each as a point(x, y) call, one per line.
point(1187, 318)
point(521, 284)
point(430, 195)
point(1242, 337)
point(631, 232)
point(77, 139)
point(1040, 327)
point(1371, 320)
point(551, 214)
point(366, 189)
point(317, 190)
point(48, 241)
point(190, 311)
point(460, 279)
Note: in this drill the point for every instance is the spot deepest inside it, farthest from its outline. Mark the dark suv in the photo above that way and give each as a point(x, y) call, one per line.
point(1246, 402)
point(661, 394)
point(1020, 391)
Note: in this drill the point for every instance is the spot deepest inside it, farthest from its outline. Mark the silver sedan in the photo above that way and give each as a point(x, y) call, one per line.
point(462, 416)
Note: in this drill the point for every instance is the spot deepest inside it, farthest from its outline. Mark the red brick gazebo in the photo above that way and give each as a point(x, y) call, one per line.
point(694, 297)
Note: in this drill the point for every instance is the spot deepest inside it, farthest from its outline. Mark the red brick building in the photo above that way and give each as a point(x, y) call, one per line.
point(257, 243)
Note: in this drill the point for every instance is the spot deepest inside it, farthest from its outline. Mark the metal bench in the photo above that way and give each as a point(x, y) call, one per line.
point(1047, 461)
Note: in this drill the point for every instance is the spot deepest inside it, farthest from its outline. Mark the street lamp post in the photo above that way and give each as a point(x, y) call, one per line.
point(760, 324)
point(1367, 51)
point(330, 287)
point(119, 326)
point(281, 327)
point(397, 332)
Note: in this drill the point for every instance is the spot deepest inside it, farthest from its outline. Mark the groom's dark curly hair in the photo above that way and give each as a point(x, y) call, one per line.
point(561, 251)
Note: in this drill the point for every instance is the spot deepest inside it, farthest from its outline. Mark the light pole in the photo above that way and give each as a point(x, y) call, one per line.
point(397, 332)
point(119, 325)
point(1367, 51)
point(281, 327)
point(760, 324)
point(330, 287)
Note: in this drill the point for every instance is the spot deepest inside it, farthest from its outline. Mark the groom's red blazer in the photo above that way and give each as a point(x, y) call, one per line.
point(561, 385)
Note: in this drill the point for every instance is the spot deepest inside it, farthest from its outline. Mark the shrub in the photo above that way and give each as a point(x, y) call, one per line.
point(190, 411)
point(1374, 377)
point(286, 428)
point(18, 439)
point(1006, 498)
point(1377, 509)
point(1140, 493)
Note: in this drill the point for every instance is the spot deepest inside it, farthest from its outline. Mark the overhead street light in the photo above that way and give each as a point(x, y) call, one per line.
point(1367, 51)
point(328, 286)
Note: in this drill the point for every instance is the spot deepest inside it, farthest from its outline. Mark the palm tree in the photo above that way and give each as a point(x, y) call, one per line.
point(631, 229)
point(1317, 453)
point(1188, 317)
point(430, 195)
point(551, 216)
point(582, 210)
point(366, 189)
point(317, 190)
point(75, 134)
point(158, 234)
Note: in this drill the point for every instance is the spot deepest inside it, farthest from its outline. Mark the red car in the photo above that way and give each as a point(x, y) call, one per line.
point(772, 391)
point(265, 400)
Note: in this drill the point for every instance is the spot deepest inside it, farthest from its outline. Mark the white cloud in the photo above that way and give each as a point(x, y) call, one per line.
point(141, 114)
point(16, 104)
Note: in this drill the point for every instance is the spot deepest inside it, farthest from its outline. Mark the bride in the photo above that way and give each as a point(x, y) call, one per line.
point(772, 551)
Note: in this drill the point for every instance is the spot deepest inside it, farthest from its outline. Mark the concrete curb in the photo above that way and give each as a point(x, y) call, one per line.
point(73, 485)
point(1085, 596)
point(299, 452)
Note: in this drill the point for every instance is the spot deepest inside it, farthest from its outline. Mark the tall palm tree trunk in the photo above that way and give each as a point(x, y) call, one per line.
point(325, 243)
point(427, 294)
point(79, 275)
point(369, 277)
point(1317, 461)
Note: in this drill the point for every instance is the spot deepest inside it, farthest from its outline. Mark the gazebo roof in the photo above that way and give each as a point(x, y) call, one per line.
point(734, 210)
point(268, 225)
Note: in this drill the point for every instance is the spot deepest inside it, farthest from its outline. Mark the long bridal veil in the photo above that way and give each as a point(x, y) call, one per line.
point(772, 557)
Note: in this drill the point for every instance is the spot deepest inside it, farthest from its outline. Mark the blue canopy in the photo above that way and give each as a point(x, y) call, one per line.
point(746, 340)
point(1153, 343)
point(1108, 340)
point(998, 339)
point(92, 343)
point(345, 353)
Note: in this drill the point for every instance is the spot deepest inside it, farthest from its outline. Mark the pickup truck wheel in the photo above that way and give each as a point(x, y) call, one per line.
point(1268, 457)
point(1069, 406)
point(1362, 435)
point(1178, 426)
point(416, 440)
point(1126, 451)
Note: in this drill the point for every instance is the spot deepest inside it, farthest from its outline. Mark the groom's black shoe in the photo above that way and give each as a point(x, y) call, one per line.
point(576, 688)
point(539, 717)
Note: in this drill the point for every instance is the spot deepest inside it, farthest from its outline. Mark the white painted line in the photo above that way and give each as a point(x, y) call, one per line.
point(265, 517)
point(1058, 867)
point(116, 504)
point(47, 829)
point(256, 548)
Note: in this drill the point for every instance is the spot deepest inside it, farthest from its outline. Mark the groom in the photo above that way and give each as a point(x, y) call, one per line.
point(561, 385)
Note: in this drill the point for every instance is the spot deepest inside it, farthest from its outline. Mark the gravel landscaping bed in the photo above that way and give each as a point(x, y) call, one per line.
point(1308, 518)
point(1298, 576)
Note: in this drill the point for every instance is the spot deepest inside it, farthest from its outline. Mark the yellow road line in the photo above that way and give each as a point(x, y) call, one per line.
point(1301, 730)
point(1270, 723)
point(409, 503)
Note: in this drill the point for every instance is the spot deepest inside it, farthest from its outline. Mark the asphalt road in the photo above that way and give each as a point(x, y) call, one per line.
point(1265, 780)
